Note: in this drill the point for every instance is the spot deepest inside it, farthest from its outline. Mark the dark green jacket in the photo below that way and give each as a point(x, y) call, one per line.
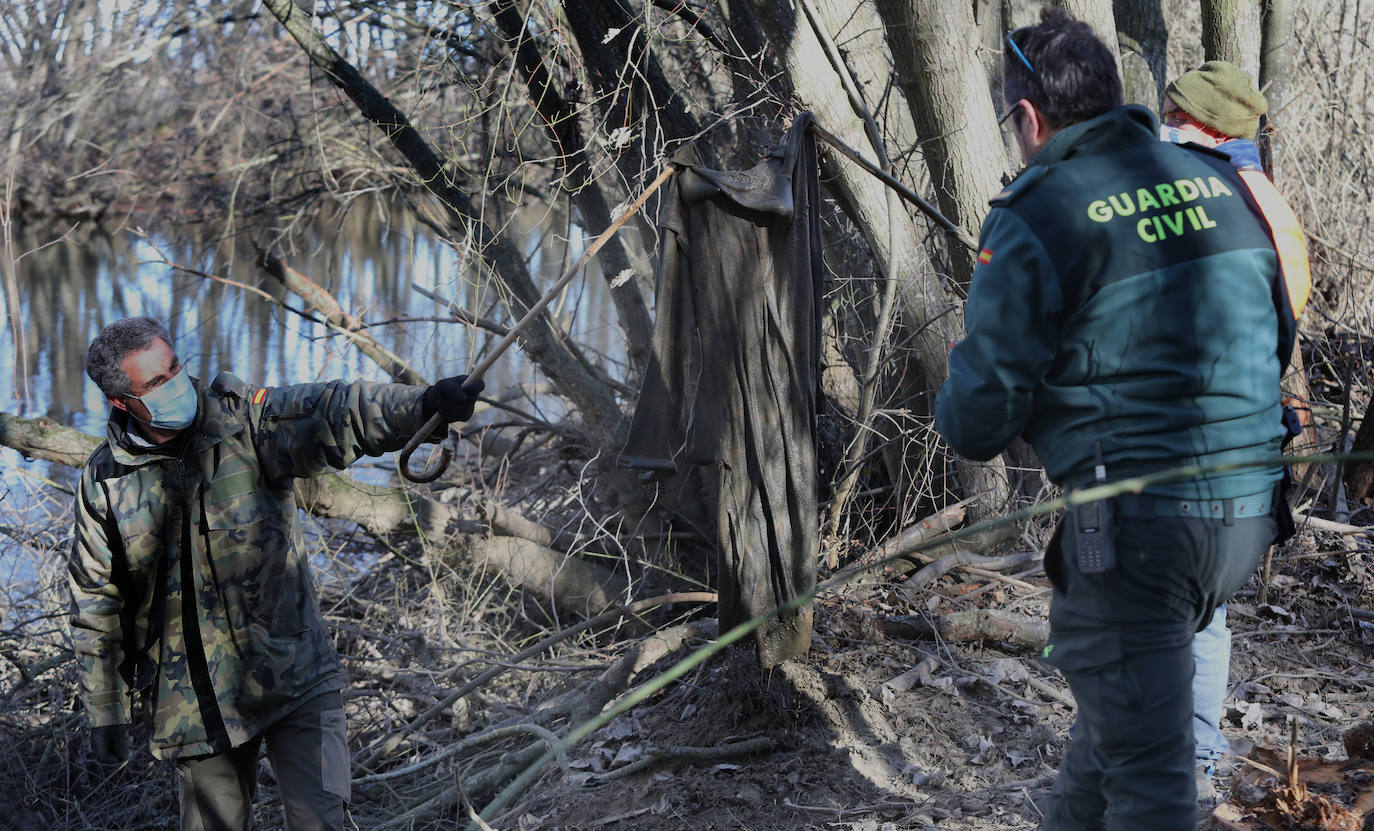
point(216, 511)
point(1127, 294)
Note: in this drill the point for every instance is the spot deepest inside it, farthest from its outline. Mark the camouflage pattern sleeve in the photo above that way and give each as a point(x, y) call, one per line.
point(95, 609)
point(305, 429)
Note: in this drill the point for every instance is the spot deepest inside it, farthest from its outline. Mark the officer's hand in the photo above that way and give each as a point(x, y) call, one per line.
point(110, 744)
point(453, 398)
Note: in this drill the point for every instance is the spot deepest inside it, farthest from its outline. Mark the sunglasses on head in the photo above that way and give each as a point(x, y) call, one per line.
point(1017, 51)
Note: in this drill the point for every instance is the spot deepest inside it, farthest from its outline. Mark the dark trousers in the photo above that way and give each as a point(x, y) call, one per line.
point(1123, 640)
point(309, 755)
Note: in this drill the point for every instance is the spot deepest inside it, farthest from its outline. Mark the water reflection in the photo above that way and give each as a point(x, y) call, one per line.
point(367, 257)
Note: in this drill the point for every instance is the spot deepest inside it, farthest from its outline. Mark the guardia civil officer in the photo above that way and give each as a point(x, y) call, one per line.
point(1127, 316)
point(189, 577)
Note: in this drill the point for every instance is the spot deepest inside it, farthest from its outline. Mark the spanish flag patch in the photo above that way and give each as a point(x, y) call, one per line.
point(260, 396)
point(985, 256)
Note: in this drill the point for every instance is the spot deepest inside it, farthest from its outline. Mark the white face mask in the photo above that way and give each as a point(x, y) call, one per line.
point(173, 404)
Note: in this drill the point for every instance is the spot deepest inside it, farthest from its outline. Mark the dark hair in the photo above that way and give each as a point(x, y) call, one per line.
point(1072, 75)
point(119, 340)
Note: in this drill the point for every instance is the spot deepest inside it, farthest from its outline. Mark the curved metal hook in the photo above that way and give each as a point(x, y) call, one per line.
point(428, 474)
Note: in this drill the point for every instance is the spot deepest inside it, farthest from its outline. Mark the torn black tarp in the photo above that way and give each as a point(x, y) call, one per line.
point(732, 380)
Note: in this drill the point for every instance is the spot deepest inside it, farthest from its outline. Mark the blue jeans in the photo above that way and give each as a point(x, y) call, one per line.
point(1212, 666)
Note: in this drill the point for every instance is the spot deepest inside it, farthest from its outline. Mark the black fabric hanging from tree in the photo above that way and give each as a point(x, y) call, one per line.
point(731, 385)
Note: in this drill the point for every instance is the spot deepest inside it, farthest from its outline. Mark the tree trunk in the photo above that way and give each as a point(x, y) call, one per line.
point(816, 87)
point(1359, 476)
point(956, 122)
point(1144, 40)
point(1231, 32)
point(1276, 67)
point(947, 90)
point(577, 167)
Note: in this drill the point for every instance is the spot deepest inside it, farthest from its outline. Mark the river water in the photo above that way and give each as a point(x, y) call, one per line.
point(368, 258)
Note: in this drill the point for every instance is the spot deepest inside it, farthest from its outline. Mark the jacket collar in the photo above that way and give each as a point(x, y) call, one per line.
point(1111, 131)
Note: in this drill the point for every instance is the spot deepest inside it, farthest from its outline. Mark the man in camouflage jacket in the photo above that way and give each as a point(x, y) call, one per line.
point(190, 580)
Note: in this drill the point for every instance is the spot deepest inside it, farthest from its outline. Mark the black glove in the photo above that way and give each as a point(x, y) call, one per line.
point(110, 744)
point(453, 398)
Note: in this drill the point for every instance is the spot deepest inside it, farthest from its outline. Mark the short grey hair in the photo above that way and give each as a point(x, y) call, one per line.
point(117, 341)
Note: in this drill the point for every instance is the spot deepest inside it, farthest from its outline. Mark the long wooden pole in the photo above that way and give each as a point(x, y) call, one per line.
point(430, 474)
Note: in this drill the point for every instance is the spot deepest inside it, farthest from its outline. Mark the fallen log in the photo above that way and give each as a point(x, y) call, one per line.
point(965, 559)
point(914, 535)
point(43, 438)
point(970, 625)
point(974, 544)
point(1305, 521)
point(574, 586)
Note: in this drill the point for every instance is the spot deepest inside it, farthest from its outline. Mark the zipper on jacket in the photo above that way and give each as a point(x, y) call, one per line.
point(196, 663)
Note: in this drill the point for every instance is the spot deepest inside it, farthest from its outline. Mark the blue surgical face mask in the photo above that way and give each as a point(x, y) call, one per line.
point(1174, 134)
point(171, 405)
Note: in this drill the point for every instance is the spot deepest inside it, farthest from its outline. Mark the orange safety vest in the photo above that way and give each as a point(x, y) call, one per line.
point(1287, 235)
point(1297, 273)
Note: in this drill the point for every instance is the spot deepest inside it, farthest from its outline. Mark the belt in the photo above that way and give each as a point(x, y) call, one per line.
point(1243, 507)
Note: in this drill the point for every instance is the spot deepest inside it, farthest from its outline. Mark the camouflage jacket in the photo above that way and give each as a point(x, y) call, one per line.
point(189, 575)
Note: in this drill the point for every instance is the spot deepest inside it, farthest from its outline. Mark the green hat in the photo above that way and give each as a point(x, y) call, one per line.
point(1220, 95)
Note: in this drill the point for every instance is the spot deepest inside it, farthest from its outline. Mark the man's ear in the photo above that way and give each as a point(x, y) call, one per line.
point(1035, 123)
point(1033, 132)
point(117, 403)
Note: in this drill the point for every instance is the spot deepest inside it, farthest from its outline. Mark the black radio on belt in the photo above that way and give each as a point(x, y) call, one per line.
point(1093, 528)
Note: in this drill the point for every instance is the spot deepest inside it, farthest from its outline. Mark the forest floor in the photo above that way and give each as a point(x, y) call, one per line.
point(868, 731)
point(975, 741)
